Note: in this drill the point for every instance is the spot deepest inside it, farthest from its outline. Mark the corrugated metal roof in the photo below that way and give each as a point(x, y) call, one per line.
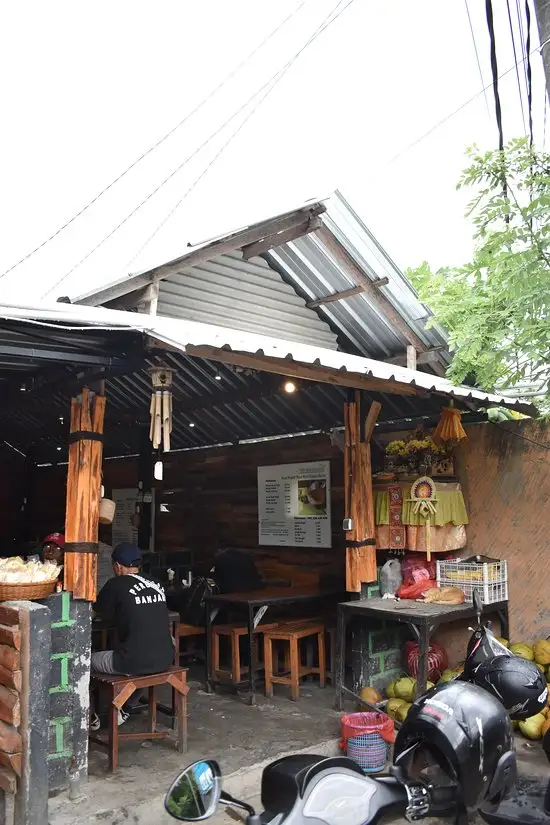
point(246, 295)
point(190, 336)
point(254, 296)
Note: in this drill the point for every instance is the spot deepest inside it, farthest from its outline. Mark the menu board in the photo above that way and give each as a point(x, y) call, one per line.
point(294, 505)
point(123, 529)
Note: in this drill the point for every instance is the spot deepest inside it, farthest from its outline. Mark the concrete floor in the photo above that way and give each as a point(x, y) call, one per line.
point(242, 739)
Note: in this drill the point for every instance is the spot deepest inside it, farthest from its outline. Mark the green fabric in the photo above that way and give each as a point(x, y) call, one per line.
point(450, 509)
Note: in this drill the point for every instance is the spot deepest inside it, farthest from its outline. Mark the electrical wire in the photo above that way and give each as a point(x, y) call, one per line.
point(274, 80)
point(521, 35)
point(529, 74)
point(520, 91)
point(477, 53)
point(328, 21)
point(457, 111)
point(169, 134)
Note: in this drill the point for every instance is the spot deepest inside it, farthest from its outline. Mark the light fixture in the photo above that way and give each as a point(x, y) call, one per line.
point(158, 471)
point(23, 388)
point(289, 387)
point(191, 424)
point(61, 419)
point(58, 449)
point(217, 377)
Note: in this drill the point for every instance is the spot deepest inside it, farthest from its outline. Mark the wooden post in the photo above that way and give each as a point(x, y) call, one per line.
point(83, 495)
point(361, 539)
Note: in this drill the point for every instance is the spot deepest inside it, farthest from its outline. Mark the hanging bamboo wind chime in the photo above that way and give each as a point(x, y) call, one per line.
point(161, 407)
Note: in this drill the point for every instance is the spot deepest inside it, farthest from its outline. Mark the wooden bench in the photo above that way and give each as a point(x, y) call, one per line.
point(291, 634)
point(121, 689)
point(234, 633)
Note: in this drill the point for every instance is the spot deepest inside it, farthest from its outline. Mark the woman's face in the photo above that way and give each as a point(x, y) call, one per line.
point(52, 552)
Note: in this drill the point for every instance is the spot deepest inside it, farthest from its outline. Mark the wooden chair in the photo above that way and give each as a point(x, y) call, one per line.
point(233, 633)
point(121, 688)
point(291, 634)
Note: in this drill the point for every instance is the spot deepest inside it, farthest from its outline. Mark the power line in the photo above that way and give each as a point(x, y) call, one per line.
point(476, 51)
point(174, 129)
point(274, 80)
point(457, 111)
point(328, 20)
point(517, 65)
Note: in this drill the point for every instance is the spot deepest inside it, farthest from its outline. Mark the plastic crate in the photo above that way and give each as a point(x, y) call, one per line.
point(490, 579)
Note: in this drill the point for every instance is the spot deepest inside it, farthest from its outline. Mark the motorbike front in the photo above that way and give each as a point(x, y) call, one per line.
point(296, 789)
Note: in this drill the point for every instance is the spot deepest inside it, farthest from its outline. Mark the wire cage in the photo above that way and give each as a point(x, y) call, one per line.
point(490, 579)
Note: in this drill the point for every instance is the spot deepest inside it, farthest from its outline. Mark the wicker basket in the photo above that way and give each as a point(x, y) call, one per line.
point(26, 591)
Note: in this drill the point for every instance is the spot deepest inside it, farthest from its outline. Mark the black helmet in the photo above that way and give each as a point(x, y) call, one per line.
point(457, 741)
point(515, 682)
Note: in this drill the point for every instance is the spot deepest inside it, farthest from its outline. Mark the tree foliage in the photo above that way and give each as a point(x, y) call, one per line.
point(496, 308)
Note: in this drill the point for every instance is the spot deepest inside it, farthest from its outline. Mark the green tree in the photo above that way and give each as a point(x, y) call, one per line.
point(496, 308)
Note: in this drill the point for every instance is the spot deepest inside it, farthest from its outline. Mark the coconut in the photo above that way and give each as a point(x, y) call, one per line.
point(402, 711)
point(370, 695)
point(523, 650)
point(393, 706)
point(541, 651)
point(405, 688)
point(390, 690)
point(532, 727)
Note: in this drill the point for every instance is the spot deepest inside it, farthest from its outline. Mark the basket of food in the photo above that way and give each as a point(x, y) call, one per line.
point(27, 580)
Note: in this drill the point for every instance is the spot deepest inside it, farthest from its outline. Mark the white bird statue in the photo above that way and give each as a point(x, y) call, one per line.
point(391, 579)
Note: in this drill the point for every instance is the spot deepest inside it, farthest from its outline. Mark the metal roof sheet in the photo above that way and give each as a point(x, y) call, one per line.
point(213, 402)
point(305, 266)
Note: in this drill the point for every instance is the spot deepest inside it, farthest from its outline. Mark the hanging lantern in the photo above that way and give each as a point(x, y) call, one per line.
point(161, 407)
point(449, 428)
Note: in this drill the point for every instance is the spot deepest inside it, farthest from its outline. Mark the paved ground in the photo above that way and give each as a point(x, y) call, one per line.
point(241, 738)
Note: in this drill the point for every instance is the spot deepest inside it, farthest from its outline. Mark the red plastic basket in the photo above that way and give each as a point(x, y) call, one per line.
point(365, 738)
point(359, 724)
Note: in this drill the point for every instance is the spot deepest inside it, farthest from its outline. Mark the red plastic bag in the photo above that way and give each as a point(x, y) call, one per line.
point(415, 590)
point(417, 568)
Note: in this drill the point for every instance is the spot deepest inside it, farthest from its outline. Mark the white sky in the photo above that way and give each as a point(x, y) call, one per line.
point(87, 87)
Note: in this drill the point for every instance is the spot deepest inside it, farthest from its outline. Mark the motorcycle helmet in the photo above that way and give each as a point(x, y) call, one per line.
point(456, 743)
point(515, 682)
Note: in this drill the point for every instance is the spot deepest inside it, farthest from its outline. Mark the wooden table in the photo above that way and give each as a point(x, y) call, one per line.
point(99, 626)
point(254, 605)
point(422, 618)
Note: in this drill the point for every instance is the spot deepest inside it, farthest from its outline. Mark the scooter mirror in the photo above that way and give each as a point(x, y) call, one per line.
point(478, 604)
point(195, 792)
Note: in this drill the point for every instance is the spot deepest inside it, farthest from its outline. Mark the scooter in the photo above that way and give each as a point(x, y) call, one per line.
point(299, 789)
point(529, 803)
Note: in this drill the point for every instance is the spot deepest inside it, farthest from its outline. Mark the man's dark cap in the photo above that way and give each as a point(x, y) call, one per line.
point(127, 554)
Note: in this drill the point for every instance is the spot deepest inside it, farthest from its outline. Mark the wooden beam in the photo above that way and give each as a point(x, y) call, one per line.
point(129, 300)
point(411, 357)
point(149, 303)
point(274, 240)
point(222, 246)
point(370, 421)
point(381, 282)
point(83, 494)
point(354, 272)
point(336, 296)
point(429, 356)
point(308, 372)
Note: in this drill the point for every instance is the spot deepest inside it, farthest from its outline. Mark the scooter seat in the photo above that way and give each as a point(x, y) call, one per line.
point(283, 781)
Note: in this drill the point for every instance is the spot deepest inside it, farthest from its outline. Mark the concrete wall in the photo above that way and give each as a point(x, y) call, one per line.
point(505, 474)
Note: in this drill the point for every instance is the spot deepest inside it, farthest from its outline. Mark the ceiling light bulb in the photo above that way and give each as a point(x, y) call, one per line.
point(191, 424)
point(289, 387)
point(217, 377)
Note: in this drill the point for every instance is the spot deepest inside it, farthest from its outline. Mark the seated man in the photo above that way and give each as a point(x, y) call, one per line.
point(136, 608)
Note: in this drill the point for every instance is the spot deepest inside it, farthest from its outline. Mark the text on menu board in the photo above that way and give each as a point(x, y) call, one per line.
point(294, 505)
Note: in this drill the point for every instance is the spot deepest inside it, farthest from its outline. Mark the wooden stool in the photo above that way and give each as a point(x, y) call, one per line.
point(293, 633)
point(234, 633)
point(183, 631)
point(122, 688)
